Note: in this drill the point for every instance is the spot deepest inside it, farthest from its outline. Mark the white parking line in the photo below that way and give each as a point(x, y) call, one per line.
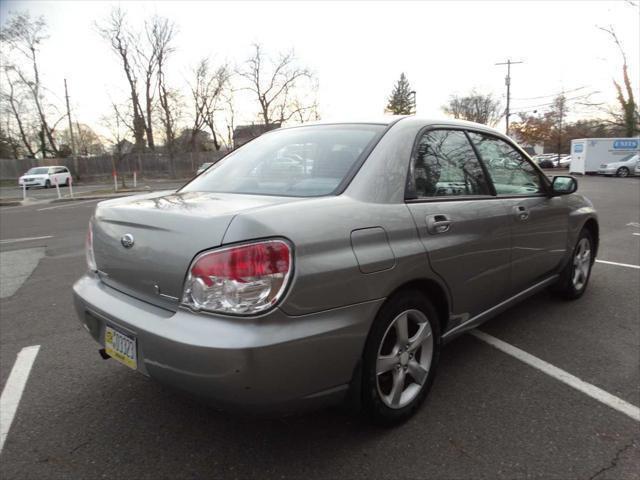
point(628, 265)
point(565, 377)
point(25, 239)
point(12, 391)
point(70, 204)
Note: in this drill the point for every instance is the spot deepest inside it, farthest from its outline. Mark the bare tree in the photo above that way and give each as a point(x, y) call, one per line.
point(118, 137)
point(161, 36)
point(629, 116)
point(474, 107)
point(86, 140)
point(15, 107)
point(230, 119)
point(116, 31)
point(208, 94)
point(277, 85)
point(147, 58)
point(22, 36)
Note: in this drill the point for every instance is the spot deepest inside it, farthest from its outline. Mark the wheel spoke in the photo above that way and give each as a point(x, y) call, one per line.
point(398, 387)
point(421, 335)
point(386, 363)
point(402, 330)
point(576, 276)
point(418, 372)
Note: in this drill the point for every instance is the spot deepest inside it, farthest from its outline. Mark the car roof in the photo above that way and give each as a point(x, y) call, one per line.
point(392, 119)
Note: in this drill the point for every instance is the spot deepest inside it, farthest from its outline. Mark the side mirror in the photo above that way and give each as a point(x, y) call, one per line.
point(563, 185)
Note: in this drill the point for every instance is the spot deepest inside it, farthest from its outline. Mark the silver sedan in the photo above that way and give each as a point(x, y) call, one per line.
point(330, 262)
point(628, 165)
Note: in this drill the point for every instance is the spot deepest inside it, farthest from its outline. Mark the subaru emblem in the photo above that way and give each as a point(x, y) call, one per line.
point(127, 240)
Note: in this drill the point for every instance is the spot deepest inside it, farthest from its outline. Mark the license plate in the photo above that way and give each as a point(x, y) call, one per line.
point(120, 346)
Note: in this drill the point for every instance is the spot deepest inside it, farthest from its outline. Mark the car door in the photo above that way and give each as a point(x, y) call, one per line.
point(51, 176)
point(64, 175)
point(462, 225)
point(539, 222)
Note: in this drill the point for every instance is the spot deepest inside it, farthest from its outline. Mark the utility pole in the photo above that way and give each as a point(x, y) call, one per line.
point(561, 105)
point(73, 143)
point(507, 82)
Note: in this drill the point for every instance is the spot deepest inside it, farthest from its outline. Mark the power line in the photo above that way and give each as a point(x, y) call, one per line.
point(507, 81)
point(551, 94)
point(579, 97)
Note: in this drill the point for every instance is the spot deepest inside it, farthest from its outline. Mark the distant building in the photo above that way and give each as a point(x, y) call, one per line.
point(537, 149)
point(124, 147)
point(245, 133)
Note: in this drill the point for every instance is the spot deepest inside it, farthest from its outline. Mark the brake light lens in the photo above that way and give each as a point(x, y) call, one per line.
point(91, 260)
point(242, 280)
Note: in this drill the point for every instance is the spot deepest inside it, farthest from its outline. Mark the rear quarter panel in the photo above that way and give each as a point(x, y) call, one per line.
point(326, 271)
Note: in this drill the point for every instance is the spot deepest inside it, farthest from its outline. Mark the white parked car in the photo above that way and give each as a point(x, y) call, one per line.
point(564, 161)
point(625, 167)
point(45, 177)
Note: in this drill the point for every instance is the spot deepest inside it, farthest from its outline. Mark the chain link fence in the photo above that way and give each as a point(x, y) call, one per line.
point(147, 165)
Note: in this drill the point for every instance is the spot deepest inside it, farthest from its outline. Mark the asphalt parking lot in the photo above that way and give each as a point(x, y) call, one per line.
point(489, 415)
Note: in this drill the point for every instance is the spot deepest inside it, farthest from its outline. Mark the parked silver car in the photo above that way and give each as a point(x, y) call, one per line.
point(277, 289)
point(623, 168)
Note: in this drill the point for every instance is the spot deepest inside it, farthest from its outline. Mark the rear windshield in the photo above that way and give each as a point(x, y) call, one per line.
point(301, 162)
point(38, 170)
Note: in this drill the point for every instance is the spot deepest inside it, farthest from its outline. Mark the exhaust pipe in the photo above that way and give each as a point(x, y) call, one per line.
point(103, 353)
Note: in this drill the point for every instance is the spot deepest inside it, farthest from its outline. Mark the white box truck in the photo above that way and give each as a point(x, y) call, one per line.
point(587, 154)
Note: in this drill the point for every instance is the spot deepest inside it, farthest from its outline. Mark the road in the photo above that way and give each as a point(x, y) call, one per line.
point(489, 415)
point(11, 192)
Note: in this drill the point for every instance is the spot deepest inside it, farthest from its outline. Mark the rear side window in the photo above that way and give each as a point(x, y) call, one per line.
point(444, 164)
point(511, 173)
point(301, 162)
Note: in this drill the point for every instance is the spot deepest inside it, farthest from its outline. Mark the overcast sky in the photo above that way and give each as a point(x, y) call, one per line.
point(358, 49)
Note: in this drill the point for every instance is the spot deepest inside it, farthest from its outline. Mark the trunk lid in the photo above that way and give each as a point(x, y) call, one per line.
point(167, 231)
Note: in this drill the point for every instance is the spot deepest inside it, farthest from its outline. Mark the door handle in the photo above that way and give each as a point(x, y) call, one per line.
point(438, 224)
point(522, 213)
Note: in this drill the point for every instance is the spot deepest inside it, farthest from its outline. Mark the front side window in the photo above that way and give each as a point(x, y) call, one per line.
point(38, 171)
point(301, 162)
point(510, 171)
point(444, 164)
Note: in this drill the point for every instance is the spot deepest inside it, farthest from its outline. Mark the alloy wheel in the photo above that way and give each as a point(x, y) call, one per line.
point(404, 358)
point(581, 264)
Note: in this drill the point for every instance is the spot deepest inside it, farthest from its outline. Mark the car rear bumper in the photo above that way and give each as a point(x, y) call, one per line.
point(274, 363)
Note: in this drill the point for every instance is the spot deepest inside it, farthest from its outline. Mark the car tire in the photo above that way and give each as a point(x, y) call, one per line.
point(409, 359)
point(47, 184)
point(66, 183)
point(622, 172)
point(576, 274)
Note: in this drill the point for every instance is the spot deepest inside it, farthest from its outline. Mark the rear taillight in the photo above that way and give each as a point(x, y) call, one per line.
point(242, 280)
point(91, 261)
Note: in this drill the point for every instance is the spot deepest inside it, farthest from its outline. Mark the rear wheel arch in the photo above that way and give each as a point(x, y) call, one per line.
point(434, 292)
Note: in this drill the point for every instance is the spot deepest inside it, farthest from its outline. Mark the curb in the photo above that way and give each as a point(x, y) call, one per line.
point(21, 203)
point(91, 197)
